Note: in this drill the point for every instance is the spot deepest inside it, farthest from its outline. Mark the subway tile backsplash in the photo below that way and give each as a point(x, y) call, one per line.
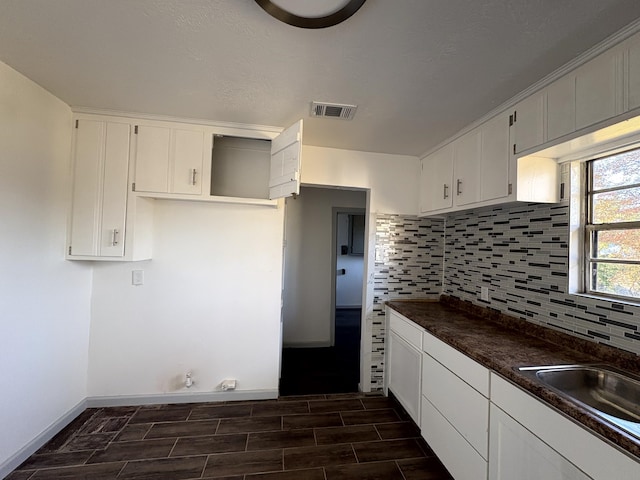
point(409, 253)
point(521, 254)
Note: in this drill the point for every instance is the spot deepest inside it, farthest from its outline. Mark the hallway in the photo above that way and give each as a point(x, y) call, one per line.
point(309, 371)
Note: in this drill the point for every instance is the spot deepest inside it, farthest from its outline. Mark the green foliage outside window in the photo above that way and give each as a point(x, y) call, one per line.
point(613, 225)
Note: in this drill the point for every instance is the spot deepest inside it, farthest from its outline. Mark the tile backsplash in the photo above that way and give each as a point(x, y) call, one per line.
point(409, 254)
point(521, 254)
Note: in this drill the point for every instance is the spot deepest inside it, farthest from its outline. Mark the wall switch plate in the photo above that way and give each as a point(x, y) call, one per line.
point(137, 277)
point(484, 294)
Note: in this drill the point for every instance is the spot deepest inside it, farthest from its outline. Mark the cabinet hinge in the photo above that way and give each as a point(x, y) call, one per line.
point(510, 120)
point(69, 249)
point(515, 116)
point(510, 188)
point(77, 121)
point(514, 148)
point(135, 129)
point(133, 187)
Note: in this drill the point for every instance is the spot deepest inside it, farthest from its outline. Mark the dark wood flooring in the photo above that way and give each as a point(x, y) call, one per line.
point(325, 370)
point(320, 437)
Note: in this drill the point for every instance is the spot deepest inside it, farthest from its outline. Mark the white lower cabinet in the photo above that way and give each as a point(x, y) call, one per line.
point(455, 416)
point(482, 426)
point(461, 460)
point(403, 361)
point(516, 453)
point(568, 450)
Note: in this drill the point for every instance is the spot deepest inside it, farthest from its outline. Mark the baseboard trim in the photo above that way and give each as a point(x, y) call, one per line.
point(190, 397)
point(307, 345)
point(30, 448)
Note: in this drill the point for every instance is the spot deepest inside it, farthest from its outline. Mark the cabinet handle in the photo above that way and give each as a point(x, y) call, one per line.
point(114, 239)
point(193, 176)
point(458, 185)
point(445, 194)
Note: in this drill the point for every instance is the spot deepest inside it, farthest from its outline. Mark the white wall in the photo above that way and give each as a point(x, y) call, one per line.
point(349, 285)
point(44, 299)
point(210, 304)
point(392, 181)
point(308, 274)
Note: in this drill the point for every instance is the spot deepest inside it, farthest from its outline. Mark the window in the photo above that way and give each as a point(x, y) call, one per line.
point(612, 226)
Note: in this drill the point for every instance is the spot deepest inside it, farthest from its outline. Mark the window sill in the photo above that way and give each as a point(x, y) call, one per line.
point(605, 298)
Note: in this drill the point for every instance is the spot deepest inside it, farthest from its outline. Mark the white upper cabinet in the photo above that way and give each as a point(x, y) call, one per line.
point(436, 180)
point(494, 159)
point(528, 123)
point(286, 155)
point(599, 89)
point(169, 160)
point(466, 168)
point(188, 159)
point(100, 166)
point(632, 59)
point(561, 107)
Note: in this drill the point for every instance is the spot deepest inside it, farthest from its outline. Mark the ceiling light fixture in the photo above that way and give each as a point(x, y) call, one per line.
point(311, 13)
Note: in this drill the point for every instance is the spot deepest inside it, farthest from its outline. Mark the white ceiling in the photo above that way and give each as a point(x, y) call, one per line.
point(419, 70)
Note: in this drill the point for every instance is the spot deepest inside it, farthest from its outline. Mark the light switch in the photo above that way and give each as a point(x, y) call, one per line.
point(137, 277)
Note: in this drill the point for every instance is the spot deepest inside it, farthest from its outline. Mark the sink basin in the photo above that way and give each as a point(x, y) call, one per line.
point(607, 392)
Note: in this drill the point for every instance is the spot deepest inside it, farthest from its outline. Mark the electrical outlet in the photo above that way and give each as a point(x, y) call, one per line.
point(137, 277)
point(484, 294)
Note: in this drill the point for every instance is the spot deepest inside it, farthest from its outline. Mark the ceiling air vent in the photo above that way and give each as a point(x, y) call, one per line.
point(333, 110)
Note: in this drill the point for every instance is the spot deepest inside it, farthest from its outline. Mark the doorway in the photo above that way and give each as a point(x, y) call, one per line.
point(323, 289)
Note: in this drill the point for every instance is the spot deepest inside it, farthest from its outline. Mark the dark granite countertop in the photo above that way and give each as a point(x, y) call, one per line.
point(500, 343)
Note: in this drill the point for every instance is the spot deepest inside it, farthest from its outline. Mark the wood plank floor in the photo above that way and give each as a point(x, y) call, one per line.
point(319, 437)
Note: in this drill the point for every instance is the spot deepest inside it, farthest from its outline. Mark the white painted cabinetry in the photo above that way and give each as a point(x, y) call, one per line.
point(561, 107)
point(528, 123)
point(481, 425)
point(466, 168)
point(404, 363)
point(170, 160)
point(571, 448)
point(516, 453)
point(495, 160)
point(455, 409)
point(599, 87)
point(99, 204)
point(631, 53)
point(436, 180)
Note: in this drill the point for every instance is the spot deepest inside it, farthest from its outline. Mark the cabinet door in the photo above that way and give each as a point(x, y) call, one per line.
point(286, 156)
point(494, 159)
point(455, 453)
point(467, 168)
point(188, 160)
point(528, 123)
point(561, 107)
point(599, 89)
point(405, 373)
point(462, 406)
point(87, 187)
point(152, 159)
point(633, 75)
point(115, 188)
point(436, 179)
point(100, 185)
point(516, 453)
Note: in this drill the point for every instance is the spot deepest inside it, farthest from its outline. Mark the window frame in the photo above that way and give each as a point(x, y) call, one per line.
point(590, 230)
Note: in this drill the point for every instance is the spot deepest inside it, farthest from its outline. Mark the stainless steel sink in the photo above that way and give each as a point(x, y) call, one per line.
point(607, 392)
